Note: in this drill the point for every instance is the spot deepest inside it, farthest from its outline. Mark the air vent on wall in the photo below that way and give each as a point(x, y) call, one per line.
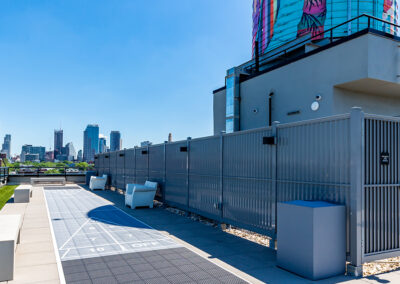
point(268, 140)
point(183, 149)
point(121, 155)
point(144, 152)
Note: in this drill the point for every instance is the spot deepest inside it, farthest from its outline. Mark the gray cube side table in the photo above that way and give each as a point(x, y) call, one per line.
point(311, 238)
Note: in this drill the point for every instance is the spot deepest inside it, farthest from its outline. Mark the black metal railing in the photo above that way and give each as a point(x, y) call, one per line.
point(3, 174)
point(47, 171)
point(360, 23)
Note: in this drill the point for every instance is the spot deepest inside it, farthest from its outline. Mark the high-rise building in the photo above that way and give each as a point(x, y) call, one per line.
point(115, 141)
point(58, 142)
point(29, 149)
point(49, 157)
point(6, 147)
point(31, 158)
point(102, 144)
point(80, 155)
point(69, 151)
point(90, 142)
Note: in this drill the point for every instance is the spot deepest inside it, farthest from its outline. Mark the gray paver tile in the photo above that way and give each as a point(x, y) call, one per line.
point(178, 278)
point(99, 273)
point(74, 269)
point(149, 274)
point(96, 266)
point(169, 271)
point(77, 276)
point(116, 263)
point(127, 278)
point(105, 280)
point(159, 280)
point(142, 267)
point(121, 270)
point(199, 275)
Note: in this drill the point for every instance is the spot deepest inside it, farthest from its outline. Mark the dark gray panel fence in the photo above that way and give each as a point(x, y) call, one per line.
point(176, 187)
point(142, 165)
point(205, 192)
point(238, 178)
point(120, 173)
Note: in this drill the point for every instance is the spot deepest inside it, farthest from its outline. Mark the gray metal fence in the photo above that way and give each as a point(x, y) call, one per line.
point(238, 178)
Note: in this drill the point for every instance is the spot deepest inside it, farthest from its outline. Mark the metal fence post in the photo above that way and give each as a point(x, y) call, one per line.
point(356, 191)
point(220, 206)
point(134, 158)
point(187, 169)
point(148, 162)
point(274, 165)
point(165, 171)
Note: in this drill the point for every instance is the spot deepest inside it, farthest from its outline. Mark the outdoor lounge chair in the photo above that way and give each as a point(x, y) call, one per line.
point(98, 182)
point(140, 195)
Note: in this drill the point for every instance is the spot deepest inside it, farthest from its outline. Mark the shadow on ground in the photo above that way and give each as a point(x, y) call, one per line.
point(253, 259)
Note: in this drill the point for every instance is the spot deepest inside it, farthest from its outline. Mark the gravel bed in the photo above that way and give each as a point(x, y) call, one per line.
point(371, 268)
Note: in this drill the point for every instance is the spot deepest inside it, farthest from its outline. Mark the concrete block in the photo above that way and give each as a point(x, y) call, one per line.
point(22, 194)
point(311, 238)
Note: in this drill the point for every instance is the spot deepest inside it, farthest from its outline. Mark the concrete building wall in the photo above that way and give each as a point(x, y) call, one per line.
point(360, 72)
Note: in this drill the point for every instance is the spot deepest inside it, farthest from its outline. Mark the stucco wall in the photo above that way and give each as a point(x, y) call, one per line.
point(368, 60)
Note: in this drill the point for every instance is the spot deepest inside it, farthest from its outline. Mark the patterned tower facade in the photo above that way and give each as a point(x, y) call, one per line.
point(277, 22)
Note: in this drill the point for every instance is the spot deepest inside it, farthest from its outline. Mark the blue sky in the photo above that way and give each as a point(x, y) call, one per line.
point(143, 69)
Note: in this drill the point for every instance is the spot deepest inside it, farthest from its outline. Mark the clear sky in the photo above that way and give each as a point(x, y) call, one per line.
point(145, 68)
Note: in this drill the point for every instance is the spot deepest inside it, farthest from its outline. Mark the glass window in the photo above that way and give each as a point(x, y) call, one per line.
point(230, 83)
point(229, 125)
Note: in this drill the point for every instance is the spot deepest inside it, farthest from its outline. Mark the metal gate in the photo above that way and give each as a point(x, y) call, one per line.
point(381, 187)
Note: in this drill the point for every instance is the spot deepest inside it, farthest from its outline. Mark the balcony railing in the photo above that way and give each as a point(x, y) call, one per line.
point(46, 171)
point(282, 53)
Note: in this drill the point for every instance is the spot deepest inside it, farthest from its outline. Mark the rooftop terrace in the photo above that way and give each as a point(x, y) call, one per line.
point(73, 235)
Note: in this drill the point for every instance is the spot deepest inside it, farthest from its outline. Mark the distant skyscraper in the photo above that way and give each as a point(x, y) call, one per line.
point(49, 156)
point(170, 137)
point(58, 142)
point(70, 151)
point(6, 147)
point(80, 156)
point(115, 141)
point(29, 149)
point(90, 142)
point(102, 144)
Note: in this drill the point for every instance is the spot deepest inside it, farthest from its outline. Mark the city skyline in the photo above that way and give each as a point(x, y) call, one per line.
point(125, 60)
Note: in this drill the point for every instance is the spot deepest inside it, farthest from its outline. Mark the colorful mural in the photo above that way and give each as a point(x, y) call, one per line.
point(313, 19)
point(276, 22)
point(264, 16)
point(391, 14)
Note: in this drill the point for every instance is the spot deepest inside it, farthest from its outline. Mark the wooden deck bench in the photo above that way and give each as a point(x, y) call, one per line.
point(48, 180)
point(22, 193)
point(9, 238)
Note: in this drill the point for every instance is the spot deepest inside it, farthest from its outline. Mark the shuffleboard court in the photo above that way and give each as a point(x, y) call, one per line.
point(99, 243)
point(86, 226)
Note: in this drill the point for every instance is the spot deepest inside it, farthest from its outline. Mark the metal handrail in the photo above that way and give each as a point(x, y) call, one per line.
point(41, 171)
point(251, 64)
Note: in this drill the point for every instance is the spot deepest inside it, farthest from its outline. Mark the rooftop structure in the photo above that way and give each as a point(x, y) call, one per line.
point(311, 78)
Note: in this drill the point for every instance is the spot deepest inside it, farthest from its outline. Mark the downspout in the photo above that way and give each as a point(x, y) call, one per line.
point(270, 107)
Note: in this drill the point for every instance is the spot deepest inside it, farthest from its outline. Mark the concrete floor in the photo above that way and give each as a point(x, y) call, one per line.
point(36, 260)
point(250, 261)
